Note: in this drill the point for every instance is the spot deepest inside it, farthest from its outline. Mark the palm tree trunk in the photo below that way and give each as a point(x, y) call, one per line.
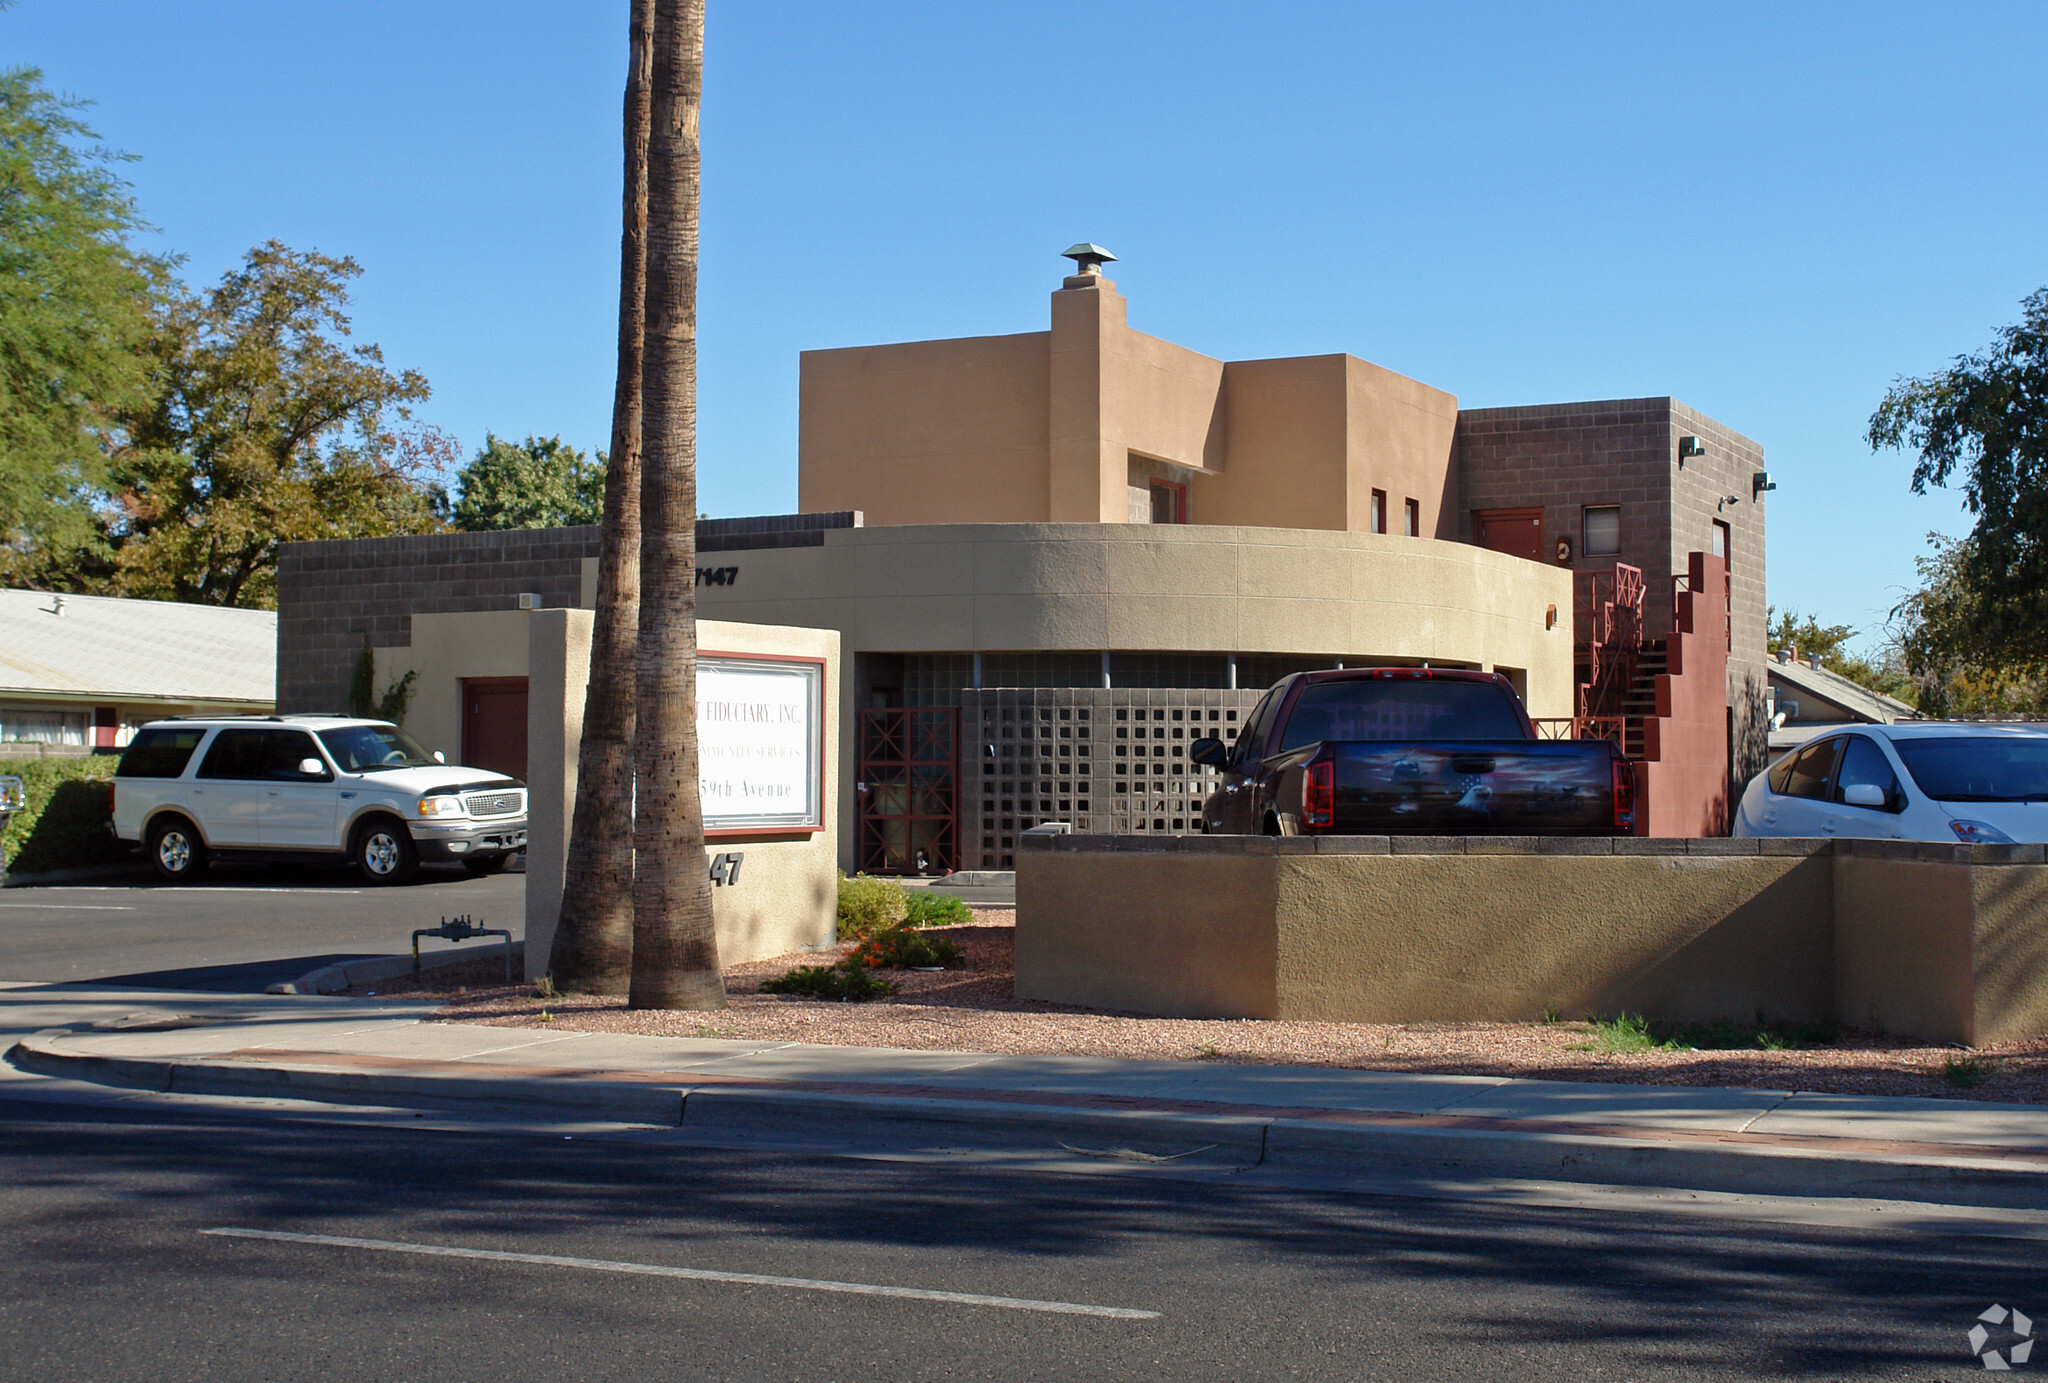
point(675, 942)
point(593, 947)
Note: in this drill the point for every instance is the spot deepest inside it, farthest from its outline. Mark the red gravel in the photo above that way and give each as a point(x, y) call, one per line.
point(975, 1008)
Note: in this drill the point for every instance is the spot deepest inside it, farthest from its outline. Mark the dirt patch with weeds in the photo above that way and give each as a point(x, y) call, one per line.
point(975, 1008)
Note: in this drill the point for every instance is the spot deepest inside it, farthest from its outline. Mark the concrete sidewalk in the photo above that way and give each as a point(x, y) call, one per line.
point(1199, 1116)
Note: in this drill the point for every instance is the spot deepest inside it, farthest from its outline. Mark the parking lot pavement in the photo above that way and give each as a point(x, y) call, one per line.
point(243, 928)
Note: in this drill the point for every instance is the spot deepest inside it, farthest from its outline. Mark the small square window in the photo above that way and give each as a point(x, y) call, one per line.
point(1601, 533)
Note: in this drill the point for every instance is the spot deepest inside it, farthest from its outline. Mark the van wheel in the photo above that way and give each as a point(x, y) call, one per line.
point(383, 852)
point(176, 851)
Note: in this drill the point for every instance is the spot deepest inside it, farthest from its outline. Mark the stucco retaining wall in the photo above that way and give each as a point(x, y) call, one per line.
point(1944, 943)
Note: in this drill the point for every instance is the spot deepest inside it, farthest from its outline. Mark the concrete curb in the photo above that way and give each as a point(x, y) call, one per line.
point(333, 979)
point(1204, 1142)
point(614, 1100)
point(131, 870)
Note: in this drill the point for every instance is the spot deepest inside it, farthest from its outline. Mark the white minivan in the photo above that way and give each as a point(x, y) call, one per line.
point(1915, 780)
point(321, 787)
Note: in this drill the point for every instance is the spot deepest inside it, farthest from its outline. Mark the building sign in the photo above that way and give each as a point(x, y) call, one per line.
point(761, 738)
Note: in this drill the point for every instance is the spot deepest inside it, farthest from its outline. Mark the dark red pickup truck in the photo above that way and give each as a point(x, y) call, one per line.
point(1410, 751)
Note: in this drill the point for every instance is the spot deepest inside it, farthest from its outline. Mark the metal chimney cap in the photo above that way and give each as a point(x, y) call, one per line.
point(1091, 258)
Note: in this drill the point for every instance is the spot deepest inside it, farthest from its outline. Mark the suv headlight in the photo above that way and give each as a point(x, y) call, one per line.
point(440, 806)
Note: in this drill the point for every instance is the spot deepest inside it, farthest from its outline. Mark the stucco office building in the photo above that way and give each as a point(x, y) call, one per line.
point(1053, 558)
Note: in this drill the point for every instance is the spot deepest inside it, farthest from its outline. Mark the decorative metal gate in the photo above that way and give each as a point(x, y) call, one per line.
point(908, 790)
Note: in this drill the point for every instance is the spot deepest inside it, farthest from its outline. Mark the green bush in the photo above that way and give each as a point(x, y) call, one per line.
point(899, 948)
point(849, 982)
point(929, 909)
point(64, 826)
point(867, 905)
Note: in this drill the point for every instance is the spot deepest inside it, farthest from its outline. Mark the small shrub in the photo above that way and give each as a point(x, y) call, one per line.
point(1968, 1072)
point(63, 824)
point(847, 983)
point(868, 905)
point(929, 909)
point(1551, 1014)
point(898, 948)
point(1626, 1032)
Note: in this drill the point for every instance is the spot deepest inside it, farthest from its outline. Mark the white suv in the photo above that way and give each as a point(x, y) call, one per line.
point(284, 787)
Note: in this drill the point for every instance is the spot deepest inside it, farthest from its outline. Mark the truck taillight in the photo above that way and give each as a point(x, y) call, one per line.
point(1624, 795)
point(1319, 795)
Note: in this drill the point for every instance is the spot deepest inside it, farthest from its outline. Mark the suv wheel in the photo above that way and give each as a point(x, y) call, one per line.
point(384, 853)
point(176, 850)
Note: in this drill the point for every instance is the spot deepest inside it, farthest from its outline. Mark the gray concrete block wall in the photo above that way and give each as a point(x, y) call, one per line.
point(333, 597)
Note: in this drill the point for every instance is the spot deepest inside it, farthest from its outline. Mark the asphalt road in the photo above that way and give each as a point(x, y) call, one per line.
point(245, 927)
point(111, 1271)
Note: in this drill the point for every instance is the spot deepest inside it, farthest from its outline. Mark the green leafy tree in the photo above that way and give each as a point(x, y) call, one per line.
point(1829, 642)
point(75, 311)
point(538, 483)
point(1983, 423)
point(1939, 633)
point(267, 427)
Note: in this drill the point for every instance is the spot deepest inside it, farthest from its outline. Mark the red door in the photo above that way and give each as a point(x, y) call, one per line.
point(494, 724)
point(1517, 532)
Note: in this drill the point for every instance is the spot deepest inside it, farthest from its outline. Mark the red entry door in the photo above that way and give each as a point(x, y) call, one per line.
point(494, 724)
point(1517, 532)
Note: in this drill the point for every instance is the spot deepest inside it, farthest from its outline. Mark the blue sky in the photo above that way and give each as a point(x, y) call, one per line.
point(1768, 211)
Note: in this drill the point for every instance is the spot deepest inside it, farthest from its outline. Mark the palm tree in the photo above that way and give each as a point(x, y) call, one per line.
point(675, 943)
point(593, 948)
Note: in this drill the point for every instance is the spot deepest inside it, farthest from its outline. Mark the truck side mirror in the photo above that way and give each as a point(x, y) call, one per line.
point(1208, 750)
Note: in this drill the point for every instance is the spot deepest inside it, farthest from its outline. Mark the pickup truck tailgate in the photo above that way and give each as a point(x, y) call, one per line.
point(1512, 787)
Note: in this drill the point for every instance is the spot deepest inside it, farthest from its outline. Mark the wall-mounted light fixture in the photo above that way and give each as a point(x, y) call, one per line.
point(1761, 482)
point(1690, 447)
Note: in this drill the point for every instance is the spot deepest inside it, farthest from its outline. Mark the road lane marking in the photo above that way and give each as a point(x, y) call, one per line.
point(865, 1289)
point(70, 907)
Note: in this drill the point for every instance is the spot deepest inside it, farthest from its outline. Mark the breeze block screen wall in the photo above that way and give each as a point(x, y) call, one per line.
point(1110, 760)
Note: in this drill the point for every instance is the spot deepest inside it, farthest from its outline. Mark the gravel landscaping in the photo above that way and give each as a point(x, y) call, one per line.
point(975, 1008)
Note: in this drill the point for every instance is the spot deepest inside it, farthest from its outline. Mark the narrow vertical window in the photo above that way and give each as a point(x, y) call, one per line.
point(1169, 502)
point(1379, 511)
point(1412, 521)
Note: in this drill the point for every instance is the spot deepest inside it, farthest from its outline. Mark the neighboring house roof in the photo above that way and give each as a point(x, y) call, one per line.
point(1859, 701)
point(149, 650)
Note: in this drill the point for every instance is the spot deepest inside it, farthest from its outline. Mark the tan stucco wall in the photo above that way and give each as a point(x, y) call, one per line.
point(1426, 938)
point(1044, 425)
point(928, 431)
point(787, 893)
point(445, 649)
point(786, 899)
point(1183, 588)
point(1343, 931)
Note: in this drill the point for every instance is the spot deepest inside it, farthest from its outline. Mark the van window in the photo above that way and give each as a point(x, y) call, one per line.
point(159, 753)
